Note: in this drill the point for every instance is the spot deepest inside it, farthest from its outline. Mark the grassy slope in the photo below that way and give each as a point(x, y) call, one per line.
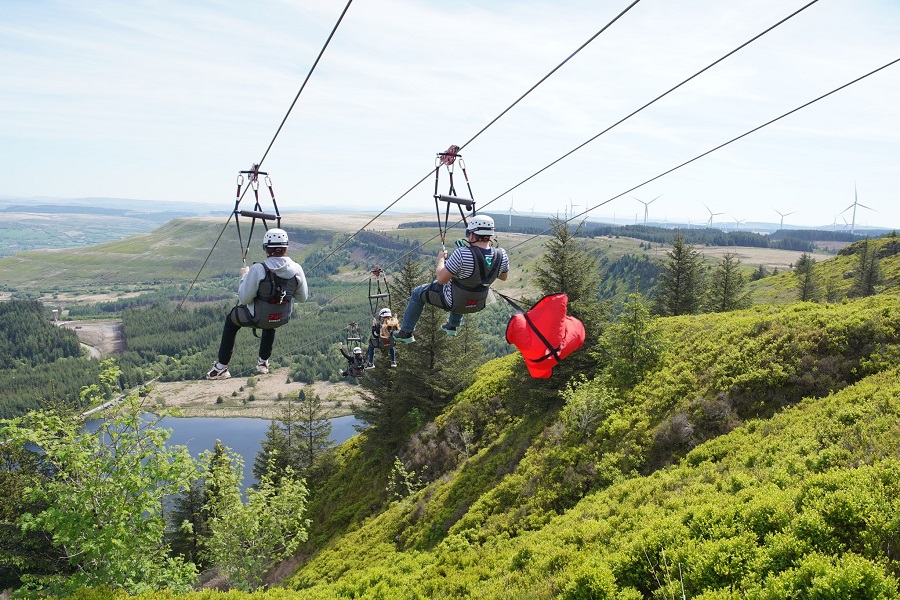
point(533, 512)
point(835, 275)
point(801, 501)
point(763, 504)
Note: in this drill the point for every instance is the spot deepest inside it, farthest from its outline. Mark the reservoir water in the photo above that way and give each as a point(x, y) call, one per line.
point(243, 435)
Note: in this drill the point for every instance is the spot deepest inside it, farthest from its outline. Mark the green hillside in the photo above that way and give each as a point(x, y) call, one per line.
point(748, 454)
point(835, 273)
point(759, 456)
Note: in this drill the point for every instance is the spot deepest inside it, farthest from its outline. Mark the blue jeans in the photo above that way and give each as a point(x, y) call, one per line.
point(372, 354)
point(416, 305)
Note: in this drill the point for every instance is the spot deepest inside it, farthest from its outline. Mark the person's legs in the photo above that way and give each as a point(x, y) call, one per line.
point(454, 320)
point(226, 346)
point(266, 341)
point(414, 309)
point(371, 355)
point(393, 354)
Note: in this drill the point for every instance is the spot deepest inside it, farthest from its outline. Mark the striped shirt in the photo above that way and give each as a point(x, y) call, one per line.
point(461, 264)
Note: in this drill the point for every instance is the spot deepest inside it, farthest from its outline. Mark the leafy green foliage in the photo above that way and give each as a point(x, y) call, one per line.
point(103, 503)
point(246, 539)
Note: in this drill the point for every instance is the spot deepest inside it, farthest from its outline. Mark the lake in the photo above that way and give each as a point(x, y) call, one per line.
point(243, 435)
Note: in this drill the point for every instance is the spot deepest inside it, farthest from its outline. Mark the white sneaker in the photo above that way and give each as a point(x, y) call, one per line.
point(262, 366)
point(218, 372)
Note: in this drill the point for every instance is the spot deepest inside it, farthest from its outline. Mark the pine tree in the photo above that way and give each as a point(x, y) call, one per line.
point(808, 286)
point(429, 373)
point(275, 447)
point(726, 287)
point(680, 286)
point(867, 275)
point(313, 432)
point(759, 273)
point(567, 267)
point(187, 524)
point(631, 346)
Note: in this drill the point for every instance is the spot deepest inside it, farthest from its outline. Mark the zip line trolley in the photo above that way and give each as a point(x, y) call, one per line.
point(449, 159)
point(257, 213)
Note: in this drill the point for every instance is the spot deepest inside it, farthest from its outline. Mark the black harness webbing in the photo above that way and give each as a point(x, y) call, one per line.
point(554, 351)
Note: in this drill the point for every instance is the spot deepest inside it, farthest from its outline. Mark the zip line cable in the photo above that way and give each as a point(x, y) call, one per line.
point(651, 102)
point(483, 129)
point(308, 75)
point(698, 157)
point(275, 137)
point(710, 151)
point(566, 155)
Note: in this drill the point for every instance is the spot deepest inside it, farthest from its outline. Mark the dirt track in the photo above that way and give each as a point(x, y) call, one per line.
point(105, 337)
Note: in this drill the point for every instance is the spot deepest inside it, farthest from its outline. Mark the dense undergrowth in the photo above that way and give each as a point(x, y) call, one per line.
point(759, 457)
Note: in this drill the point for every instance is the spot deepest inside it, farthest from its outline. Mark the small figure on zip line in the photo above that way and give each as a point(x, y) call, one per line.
point(355, 362)
point(383, 336)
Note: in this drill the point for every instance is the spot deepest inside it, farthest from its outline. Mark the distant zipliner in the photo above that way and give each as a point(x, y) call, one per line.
point(463, 278)
point(384, 324)
point(356, 364)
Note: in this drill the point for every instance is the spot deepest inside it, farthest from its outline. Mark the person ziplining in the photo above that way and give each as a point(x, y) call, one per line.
point(265, 297)
point(462, 279)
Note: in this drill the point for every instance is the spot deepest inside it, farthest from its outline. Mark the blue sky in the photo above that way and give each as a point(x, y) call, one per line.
point(167, 100)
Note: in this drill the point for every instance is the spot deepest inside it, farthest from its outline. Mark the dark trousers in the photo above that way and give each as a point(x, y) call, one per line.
point(229, 334)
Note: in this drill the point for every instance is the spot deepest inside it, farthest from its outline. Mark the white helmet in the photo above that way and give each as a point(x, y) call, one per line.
point(384, 313)
point(357, 350)
point(275, 238)
point(480, 225)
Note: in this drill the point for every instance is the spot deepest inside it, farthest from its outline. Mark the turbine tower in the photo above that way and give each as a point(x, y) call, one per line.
point(511, 211)
point(646, 206)
point(572, 206)
point(711, 215)
point(853, 206)
point(783, 215)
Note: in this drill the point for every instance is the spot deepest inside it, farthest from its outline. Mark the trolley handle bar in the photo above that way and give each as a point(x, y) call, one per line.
point(467, 202)
point(259, 215)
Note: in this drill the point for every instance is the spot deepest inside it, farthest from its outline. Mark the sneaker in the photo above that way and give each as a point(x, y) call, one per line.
point(218, 372)
point(448, 330)
point(394, 364)
point(404, 336)
point(342, 373)
point(262, 366)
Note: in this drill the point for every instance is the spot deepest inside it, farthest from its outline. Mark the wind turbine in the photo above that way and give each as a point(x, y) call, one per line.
point(783, 215)
point(512, 210)
point(646, 206)
point(572, 206)
point(853, 206)
point(737, 222)
point(711, 215)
